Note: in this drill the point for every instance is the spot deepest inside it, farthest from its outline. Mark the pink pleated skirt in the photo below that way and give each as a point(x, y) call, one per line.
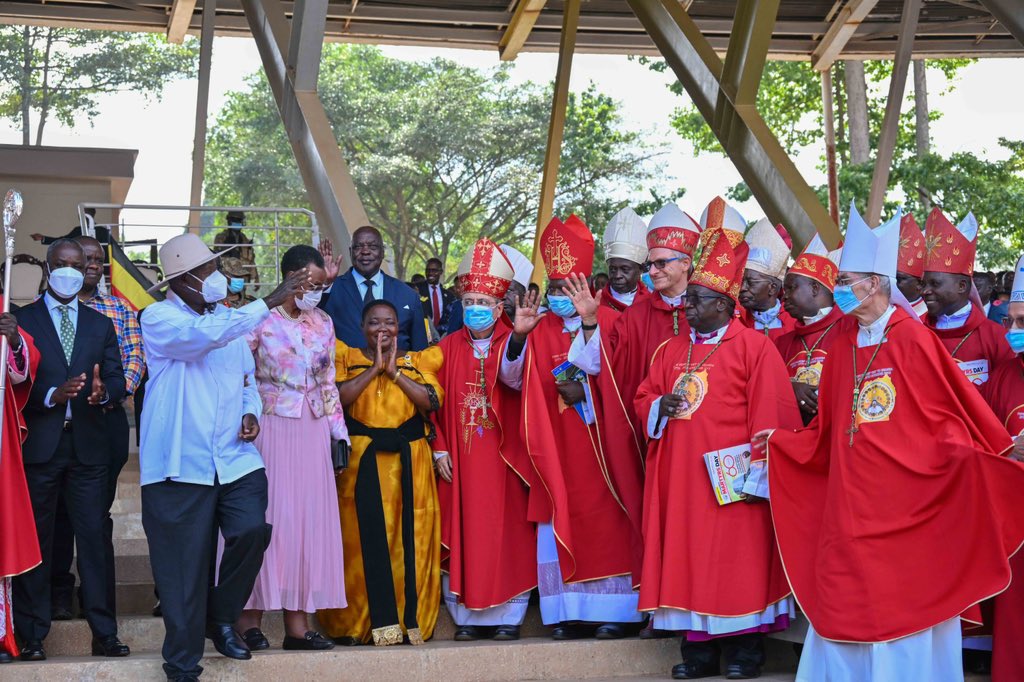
point(303, 569)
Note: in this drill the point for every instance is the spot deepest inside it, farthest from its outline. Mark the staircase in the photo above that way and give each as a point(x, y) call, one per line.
point(535, 657)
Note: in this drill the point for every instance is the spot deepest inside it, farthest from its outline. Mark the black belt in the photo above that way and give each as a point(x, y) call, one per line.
point(373, 539)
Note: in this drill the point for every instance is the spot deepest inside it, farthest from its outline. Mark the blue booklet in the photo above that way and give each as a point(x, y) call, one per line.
point(570, 372)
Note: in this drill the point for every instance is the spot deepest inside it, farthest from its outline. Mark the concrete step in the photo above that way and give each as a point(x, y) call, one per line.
point(528, 659)
point(128, 526)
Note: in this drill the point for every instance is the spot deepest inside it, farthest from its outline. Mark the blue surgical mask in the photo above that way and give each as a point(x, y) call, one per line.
point(845, 298)
point(236, 284)
point(1016, 339)
point(561, 306)
point(477, 318)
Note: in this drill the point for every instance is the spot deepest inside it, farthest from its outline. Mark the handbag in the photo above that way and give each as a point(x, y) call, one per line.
point(339, 454)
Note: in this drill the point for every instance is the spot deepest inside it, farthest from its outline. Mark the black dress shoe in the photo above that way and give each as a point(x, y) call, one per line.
point(255, 639)
point(311, 641)
point(33, 651)
point(611, 631)
point(227, 641)
point(346, 641)
point(506, 633)
point(655, 633)
point(471, 633)
point(111, 647)
point(567, 631)
point(61, 613)
point(5, 657)
point(740, 671)
point(693, 671)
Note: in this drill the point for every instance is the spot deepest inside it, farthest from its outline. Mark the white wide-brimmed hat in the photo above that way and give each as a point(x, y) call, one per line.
point(181, 254)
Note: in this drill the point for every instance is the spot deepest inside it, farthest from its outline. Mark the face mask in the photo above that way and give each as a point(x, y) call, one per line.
point(561, 306)
point(1016, 339)
point(236, 285)
point(309, 300)
point(477, 317)
point(215, 287)
point(845, 298)
point(66, 282)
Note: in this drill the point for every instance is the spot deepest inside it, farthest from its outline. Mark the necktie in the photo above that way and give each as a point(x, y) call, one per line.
point(437, 306)
point(369, 297)
point(67, 331)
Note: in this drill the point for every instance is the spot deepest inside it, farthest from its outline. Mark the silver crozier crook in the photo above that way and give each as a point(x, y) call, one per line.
point(12, 211)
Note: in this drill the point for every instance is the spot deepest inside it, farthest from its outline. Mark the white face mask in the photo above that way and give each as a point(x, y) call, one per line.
point(65, 282)
point(215, 287)
point(309, 300)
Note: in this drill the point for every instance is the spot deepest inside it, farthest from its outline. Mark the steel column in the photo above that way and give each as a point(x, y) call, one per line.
point(324, 171)
point(762, 162)
point(890, 123)
point(305, 46)
point(556, 126)
point(202, 110)
point(1010, 14)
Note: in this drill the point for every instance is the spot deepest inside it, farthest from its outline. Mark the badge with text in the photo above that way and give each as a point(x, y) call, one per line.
point(1015, 421)
point(976, 371)
point(876, 400)
point(691, 387)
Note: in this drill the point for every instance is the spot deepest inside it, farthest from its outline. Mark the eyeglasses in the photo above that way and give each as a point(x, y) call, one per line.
point(695, 299)
point(1013, 322)
point(660, 263)
point(372, 248)
point(851, 282)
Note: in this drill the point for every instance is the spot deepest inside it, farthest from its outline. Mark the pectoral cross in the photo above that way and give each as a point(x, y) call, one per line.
point(853, 415)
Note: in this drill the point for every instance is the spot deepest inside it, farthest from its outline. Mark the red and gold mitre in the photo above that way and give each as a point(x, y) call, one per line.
point(719, 214)
point(567, 248)
point(817, 263)
point(911, 258)
point(671, 228)
point(950, 248)
point(720, 264)
point(485, 269)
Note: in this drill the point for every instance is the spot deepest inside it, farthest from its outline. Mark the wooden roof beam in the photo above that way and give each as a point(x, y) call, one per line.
point(180, 19)
point(525, 16)
point(839, 33)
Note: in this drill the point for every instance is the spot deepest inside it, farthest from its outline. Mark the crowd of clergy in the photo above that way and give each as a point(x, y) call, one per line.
point(721, 443)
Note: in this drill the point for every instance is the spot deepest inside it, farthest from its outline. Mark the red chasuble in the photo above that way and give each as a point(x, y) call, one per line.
point(805, 348)
point(1005, 393)
point(699, 556)
point(19, 545)
point(641, 328)
point(488, 546)
point(979, 346)
point(787, 321)
point(607, 299)
point(912, 524)
point(590, 486)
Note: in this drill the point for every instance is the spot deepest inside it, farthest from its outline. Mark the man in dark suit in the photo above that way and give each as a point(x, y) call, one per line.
point(67, 450)
point(437, 301)
point(364, 282)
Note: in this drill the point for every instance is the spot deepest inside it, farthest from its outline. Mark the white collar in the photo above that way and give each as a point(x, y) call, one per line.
point(821, 315)
point(572, 324)
point(871, 335)
point(673, 301)
point(52, 303)
point(377, 279)
point(626, 299)
point(954, 321)
point(768, 316)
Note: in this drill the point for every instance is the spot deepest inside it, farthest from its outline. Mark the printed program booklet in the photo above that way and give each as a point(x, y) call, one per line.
point(727, 469)
point(570, 372)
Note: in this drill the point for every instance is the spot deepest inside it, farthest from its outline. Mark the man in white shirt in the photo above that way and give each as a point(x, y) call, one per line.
point(200, 473)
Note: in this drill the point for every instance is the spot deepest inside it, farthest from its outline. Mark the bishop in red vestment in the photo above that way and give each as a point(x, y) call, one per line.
point(488, 544)
point(19, 546)
point(712, 571)
point(588, 493)
point(1005, 394)
point(910, 264)
point(894, 510)
point(975, 342)
point(807, 297)
point(625, 250)
point(761, 291)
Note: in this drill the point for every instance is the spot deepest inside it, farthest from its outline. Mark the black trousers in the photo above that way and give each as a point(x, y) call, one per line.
point(181, 522)
point(62, 580)
point(84, 488)
point(745, 649)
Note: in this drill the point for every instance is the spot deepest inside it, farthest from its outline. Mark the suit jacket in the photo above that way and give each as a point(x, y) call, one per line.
point(447, 298)
point(345, 306)
point(95, 344)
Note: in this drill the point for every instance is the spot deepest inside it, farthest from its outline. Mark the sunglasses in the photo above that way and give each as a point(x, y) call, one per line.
point(660, 263)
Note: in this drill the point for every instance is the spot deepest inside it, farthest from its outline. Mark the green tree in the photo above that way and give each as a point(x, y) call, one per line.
point(61, 72)
point(790, 102)
point(441, 154)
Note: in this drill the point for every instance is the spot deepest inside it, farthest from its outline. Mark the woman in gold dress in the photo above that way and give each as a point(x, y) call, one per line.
point(390, 522)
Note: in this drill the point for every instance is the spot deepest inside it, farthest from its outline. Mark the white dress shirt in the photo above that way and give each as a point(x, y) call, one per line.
point(625, 299)
point(378, 284)
point(954, 321)
point(53, 307)
point(201, 382)
point(768, 319)
point(820, 315)
point(871, 334)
